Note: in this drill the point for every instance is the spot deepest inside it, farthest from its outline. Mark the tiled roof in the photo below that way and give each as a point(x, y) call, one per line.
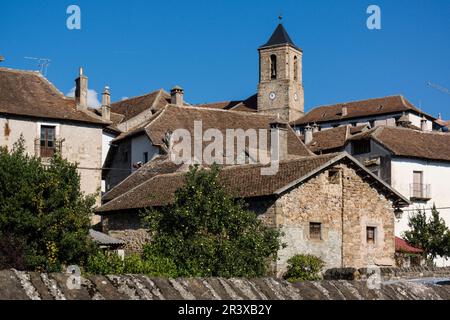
point(28, 93)
point(404, 247)
point(330, 139)
point(172, 117)
point(131, 107)
point(248, 105)
point(104, 239)
point(160, 165)
point(410, 143)
point(279, 37)
point(243, 181)
point(358, 109)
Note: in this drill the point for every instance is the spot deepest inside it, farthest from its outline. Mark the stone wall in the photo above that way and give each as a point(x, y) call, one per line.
point(387, 273)
point(345, 205)
point(16, 285)
point(127, 226)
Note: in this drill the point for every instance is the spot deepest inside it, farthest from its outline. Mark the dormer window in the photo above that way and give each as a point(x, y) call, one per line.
point(273, 67)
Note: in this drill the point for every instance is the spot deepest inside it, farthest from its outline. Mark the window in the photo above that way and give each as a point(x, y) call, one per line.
point(372, 123)
point(371, 235)
point(315, 231)
point(125, 156)
point(145, 157)
point(333, 176)
point(273, 66)
point(47, 141)
point(295, 68)
point(361, 147)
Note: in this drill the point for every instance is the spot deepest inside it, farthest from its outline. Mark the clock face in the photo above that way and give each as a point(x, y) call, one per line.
point(272, 96)
point(295, 96)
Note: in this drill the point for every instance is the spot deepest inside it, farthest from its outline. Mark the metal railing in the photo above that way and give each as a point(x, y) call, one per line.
point(420, 191)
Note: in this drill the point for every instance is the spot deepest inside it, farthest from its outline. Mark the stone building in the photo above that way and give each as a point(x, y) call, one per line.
point(384, 111)
point(329, 206)
point(30, 106)
point(280, 94)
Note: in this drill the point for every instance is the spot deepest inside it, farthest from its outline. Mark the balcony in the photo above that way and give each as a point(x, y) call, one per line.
point(420, 192)
point(47, 150)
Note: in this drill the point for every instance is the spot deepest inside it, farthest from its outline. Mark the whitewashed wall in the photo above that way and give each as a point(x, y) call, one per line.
point(139, 145)
point(82, 144)
point(435, 173)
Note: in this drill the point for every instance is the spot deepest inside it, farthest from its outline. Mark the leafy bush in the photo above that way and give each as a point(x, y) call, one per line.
point(44, 217)
point(304, 268)
point(205, 232)
point(109, 263)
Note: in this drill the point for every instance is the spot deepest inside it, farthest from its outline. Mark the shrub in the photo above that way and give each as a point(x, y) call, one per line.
point(44, 216)
point(304, 268)
point(109, 263)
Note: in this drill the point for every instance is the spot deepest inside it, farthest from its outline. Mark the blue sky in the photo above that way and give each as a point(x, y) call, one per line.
point(210, 47)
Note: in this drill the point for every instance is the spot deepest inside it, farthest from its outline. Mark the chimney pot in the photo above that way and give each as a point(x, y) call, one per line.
point(279, 131)
point(177, 96)
point(315, 128)
point(106, 104)
point(81, 91)
point(308, 134)
point(423, 124)
point(344, 111)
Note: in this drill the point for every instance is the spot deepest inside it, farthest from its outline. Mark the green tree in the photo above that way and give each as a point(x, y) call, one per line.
point(43, 214)
point(206, 232)
point(432, 235)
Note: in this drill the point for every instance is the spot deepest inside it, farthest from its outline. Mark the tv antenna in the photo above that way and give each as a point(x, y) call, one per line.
point(42, 63)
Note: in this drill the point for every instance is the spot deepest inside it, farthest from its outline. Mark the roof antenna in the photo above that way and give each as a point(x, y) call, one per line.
point(42, 63)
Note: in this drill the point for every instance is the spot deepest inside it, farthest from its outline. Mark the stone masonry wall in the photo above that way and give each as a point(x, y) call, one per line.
point(16, 285)
point(127, 226)
point(345, 206)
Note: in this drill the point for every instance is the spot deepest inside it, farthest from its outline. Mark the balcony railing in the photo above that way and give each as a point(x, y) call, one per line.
point(420, 191)
point(47, 152)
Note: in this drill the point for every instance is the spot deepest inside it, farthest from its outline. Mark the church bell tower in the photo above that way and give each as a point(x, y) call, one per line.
point(280, 89)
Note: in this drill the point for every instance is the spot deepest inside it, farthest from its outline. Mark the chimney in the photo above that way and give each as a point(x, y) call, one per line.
point(2, 58)
point(177, 96)
point(279, 132)
point(315, 128)
point(344, 111)
point(423, 124)
point(81, 91)
point(106, 104)
point(308, 134)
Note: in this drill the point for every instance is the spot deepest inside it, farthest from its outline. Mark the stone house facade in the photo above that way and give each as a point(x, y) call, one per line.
point(328, 206)
point(32, 108)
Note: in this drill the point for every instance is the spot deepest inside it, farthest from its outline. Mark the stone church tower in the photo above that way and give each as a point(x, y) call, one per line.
point(280, 89)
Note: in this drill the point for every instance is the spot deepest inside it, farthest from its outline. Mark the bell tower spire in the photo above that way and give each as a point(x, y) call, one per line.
point(280, 89)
